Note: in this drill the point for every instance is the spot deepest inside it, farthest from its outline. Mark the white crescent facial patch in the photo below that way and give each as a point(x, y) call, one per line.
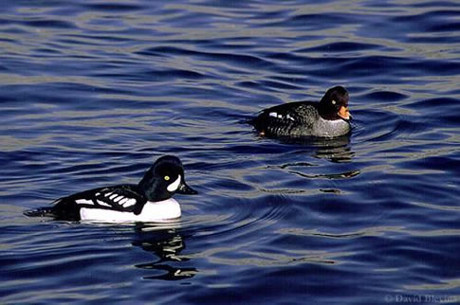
point(175, 185)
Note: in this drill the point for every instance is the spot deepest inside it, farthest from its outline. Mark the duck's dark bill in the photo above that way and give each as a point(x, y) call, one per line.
point(186, 190)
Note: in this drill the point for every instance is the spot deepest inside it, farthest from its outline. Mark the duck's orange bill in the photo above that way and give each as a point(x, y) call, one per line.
point(344, 113)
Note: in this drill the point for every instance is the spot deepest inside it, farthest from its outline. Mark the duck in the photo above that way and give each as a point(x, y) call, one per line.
point(328, 118)
point(148, 201)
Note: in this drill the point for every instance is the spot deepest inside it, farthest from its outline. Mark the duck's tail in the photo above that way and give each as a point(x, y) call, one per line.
point(41, 212)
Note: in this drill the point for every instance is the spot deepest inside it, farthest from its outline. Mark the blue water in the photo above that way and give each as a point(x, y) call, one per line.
point(92, 92)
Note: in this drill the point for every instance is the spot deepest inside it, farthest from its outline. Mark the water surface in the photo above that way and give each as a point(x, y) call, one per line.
point(91, 93)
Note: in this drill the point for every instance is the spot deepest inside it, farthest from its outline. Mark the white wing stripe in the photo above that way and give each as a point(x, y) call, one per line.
point(129, 203)
point(83, 201)
point(118, 198)
point(103, 203)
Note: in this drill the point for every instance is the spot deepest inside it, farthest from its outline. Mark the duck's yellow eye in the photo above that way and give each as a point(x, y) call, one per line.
point(167, 178)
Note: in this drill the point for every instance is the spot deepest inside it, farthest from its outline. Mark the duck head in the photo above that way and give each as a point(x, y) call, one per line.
point(334, 104)
point(164, 179)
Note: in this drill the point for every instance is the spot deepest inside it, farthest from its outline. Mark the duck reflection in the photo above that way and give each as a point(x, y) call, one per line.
point(166, 244)
point(337, 150)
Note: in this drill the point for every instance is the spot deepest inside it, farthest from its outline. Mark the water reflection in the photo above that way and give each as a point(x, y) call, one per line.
point(337, 150)
point(166, 244)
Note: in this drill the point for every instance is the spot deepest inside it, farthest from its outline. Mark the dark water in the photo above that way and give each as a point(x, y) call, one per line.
point(92, 92)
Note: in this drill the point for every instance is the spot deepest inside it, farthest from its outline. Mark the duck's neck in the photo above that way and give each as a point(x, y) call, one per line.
point(327, 113)
point(151, 190)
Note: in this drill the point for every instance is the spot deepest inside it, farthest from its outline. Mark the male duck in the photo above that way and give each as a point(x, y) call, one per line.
point(148, 201)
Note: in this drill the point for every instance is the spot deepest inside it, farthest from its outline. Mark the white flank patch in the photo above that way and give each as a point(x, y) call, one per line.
point(165, 210)
point(174, 186)
point(273, 114)
point(83, 201)
point(103, 203)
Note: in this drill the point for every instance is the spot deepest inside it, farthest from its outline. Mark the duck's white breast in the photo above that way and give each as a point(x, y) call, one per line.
point(152, 212)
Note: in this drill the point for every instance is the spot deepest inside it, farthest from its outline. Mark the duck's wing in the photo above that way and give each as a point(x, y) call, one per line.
point(124, 198)
point(283, 118)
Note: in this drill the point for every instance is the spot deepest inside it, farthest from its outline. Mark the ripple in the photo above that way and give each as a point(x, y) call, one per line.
point(230, 58)
point(386, 96)
point(345, 175)
point(59, 24)
point(384, 125)
point(113, 7)
point(338, 47)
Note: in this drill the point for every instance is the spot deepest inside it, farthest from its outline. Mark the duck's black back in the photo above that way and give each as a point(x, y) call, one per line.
point(291, 119)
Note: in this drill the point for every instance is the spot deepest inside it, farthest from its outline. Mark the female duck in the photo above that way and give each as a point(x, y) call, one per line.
point(328, 118)
point(148, 201)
